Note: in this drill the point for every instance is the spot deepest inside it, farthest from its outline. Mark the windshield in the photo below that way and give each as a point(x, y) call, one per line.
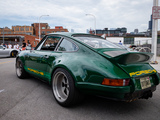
point(96, 42)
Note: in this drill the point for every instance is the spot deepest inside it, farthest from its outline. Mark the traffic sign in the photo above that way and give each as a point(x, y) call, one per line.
point(156, 12)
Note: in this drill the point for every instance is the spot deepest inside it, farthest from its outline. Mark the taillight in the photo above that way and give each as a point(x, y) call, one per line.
point(115, 82)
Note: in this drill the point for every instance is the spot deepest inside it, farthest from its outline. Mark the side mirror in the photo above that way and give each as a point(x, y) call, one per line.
point(4, 48)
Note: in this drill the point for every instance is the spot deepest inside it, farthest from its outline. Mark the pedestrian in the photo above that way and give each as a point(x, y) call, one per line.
point(4, 45)
point(120, 42)
point(17, 47)
point(23, 45)
point(28, 44)
point(9, 46)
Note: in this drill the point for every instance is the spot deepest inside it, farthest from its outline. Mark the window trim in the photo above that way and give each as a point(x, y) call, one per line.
point(38, 47)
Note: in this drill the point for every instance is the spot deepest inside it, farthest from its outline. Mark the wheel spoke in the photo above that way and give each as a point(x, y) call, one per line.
point(65, 86)
point(65, 91)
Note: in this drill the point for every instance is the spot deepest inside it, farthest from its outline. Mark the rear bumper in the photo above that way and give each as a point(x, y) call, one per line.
point(116, 93)
point(144, 94)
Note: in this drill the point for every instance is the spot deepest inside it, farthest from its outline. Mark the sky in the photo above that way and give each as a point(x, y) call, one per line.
point(71, 14)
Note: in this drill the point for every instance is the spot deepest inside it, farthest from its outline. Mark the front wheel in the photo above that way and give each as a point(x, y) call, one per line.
point(63, 88)
point(20, 71)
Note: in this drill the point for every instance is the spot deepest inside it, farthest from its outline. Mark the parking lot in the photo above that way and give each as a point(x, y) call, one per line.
point(31, 99)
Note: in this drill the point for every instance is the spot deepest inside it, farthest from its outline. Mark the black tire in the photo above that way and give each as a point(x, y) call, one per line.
point(20, 71)
point(63, 88)
point(13, 54)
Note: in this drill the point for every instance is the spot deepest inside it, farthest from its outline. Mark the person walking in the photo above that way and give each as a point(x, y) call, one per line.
point(28, 44)
point(17, 47)
point(9, 46)
point(120, 42)
point(23, 45)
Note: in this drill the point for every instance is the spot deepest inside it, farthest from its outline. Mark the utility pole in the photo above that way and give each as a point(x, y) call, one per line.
point(3, 35)
point(94, 21)
point(154, 33)
point(40, 27)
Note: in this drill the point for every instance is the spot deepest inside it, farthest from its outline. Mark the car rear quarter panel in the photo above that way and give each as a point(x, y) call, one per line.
point(87, 66)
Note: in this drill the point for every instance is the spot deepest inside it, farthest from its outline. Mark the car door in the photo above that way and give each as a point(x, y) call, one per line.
point(37, 61)
point(4, 52)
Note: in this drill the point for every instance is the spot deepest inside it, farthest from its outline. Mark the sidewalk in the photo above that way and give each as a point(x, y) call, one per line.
point(157, 66)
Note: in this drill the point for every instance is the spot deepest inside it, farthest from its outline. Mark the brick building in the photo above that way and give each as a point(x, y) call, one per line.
point(45, 29)
point(6, 30)
point(111, 32)
point(18, 38)
point(23, 30)
point(28, 33)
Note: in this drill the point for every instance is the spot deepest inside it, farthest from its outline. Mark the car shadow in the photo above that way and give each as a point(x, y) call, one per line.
point(102, 104)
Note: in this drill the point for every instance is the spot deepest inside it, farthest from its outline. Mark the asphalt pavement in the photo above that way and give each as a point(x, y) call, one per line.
point(31, 99)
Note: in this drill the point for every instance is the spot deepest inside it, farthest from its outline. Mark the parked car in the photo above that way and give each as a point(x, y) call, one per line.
point(4, 52)
point(77, 64)
point(25, 48)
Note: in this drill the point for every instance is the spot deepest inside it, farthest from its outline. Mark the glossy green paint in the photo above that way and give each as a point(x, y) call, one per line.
point(88, 67)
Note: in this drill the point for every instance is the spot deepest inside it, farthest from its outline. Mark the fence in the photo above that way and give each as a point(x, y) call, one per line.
point(145, 45)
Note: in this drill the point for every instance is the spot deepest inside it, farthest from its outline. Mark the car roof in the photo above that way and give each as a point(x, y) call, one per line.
point(70, 34)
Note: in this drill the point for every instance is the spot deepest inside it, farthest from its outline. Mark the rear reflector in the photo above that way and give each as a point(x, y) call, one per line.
point(115, 82)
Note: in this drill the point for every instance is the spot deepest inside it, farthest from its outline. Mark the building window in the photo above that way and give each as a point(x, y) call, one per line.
point(22, 28)
point(43, 33)
point(17, 29)
point(129, 40)
point(43, 27)
point(27, 28)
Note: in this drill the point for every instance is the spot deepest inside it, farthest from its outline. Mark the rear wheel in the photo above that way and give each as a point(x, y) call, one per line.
point(63, 88)
point(21, 73)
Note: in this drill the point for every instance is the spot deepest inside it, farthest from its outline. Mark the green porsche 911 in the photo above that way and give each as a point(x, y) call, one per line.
point(76, 64)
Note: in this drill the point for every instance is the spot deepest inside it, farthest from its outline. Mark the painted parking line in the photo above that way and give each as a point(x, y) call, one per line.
point(1, 90)
point(6, 62)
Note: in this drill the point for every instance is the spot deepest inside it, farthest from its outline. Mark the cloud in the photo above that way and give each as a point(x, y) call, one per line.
point(71, 13)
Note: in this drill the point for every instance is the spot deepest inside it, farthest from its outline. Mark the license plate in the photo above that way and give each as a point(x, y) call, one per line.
point(145, 82)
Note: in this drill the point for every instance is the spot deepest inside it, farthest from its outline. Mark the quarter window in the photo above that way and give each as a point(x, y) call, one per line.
point(67, 46)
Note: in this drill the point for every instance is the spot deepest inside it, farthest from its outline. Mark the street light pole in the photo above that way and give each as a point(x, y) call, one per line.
point(94, 21)
point(3, 35)
point(40, 27)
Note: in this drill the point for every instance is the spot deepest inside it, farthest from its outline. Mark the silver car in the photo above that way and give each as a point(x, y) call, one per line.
point(4, 52)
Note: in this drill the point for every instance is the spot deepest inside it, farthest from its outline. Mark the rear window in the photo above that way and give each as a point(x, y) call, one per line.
point(97, 42)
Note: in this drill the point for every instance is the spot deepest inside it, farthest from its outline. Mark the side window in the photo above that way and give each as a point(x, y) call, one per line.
point(67, 46)
point(50, 43)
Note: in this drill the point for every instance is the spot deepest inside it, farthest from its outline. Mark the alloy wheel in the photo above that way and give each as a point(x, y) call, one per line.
point(61, 86)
